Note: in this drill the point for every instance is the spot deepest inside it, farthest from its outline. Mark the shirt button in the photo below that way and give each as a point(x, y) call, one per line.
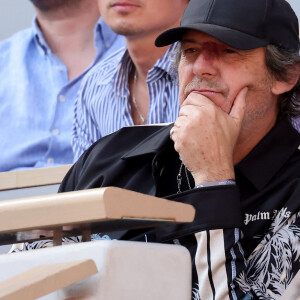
point(107, 45)
point(59, 68)
point(55, 131)
point(50, 160)
point(62, 98)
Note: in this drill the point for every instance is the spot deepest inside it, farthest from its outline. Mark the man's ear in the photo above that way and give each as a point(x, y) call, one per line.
point(281, 87)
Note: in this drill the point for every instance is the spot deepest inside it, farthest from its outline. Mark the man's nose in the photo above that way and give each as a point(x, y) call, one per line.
point(206, 63)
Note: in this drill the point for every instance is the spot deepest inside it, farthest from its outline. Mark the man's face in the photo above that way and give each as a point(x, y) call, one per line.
point(219, 72)
point(141, 17)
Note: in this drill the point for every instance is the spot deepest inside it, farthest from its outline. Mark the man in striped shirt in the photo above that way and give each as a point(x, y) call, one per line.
point(136, 85)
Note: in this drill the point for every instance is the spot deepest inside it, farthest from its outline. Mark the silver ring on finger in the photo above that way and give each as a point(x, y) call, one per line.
point(171, 132)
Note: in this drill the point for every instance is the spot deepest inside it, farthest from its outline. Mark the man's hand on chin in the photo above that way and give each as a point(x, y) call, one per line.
point(205, 136)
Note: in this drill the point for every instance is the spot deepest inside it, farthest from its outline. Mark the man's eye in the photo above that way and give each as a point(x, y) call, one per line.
point(229, 51)
point(189, 50)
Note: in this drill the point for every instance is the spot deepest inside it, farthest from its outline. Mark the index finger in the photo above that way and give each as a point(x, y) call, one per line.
point(238, 108)
point(196, 99)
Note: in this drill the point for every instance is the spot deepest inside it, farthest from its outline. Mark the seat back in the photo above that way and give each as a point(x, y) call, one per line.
point(33, 182)
point(126, 270)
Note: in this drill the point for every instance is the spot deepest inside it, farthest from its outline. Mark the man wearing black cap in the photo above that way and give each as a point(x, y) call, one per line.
point(236, 156)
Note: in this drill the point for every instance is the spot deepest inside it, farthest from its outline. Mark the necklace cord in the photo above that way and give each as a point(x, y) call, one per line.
point(179, 178)
point(144, 120)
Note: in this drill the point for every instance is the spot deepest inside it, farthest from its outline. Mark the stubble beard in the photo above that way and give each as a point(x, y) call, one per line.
point(258, 108)
point(204, 83)
point(125, 31)
point(52, 5)
point(124, 27)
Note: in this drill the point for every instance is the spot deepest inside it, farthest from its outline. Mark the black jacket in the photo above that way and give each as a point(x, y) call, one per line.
point(239, 230)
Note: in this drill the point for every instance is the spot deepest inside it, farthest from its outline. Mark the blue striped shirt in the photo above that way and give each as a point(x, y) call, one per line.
point(103, 105)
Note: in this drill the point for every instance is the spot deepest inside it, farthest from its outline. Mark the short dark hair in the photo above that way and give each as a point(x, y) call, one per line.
point(283, 65)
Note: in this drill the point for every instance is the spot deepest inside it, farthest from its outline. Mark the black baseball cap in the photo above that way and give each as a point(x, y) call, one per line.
point(241, 24)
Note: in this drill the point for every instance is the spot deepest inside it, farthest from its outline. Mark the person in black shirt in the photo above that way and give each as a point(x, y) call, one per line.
point(232, 152)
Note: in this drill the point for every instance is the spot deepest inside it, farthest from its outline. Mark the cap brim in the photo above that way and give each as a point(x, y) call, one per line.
point(228, 36)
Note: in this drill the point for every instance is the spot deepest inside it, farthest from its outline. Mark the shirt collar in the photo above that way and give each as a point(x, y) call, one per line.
point(104, 36)
point(279, 144)
point(41, 43)
point(164, 65)
point(121, 76)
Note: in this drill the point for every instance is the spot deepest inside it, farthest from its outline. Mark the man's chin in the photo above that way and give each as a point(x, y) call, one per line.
point(53, 5)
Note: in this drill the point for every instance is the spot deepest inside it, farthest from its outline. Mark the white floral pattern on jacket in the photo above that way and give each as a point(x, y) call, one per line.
point(270, 266)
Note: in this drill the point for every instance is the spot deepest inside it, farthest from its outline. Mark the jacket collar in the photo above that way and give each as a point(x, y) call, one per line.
point(279, 144)
point(153, 144)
